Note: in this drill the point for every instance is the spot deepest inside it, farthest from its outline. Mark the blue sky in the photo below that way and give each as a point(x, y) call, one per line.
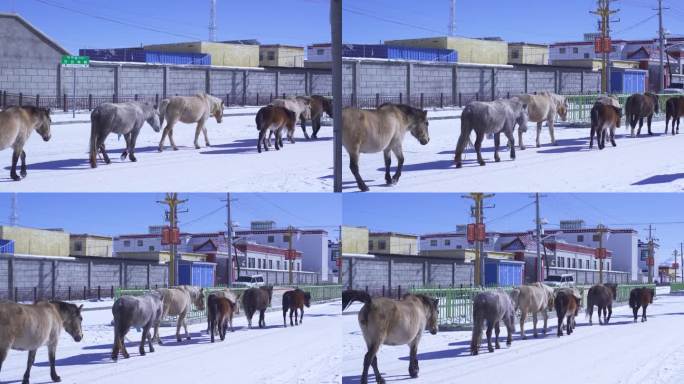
point(112, 214)
point(539, 21)
point(426, 213)
point(297, 22)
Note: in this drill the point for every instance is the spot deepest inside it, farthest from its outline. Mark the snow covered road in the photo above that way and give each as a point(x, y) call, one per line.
point(309, 353)
point(231, 163)
point(642, 164)
point(621, 352)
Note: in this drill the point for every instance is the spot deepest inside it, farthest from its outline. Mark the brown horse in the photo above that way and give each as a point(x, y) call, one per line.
point(257, 299)
point(641, 297)
point(567, 305)
point(604, 118)
point(220, 314)
point(638, 107)
point(16, 125)
point(319, 105)
point(274, 119)
point(601, 295)
point(293, 301)
point(674, 109)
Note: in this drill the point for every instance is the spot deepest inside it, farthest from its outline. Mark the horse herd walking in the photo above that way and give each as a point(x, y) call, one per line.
point(385, 321)
point(384, 128)
point(127, 119)
point(27, 327)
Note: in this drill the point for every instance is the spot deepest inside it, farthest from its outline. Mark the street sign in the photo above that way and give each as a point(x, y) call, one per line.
point(75, 61)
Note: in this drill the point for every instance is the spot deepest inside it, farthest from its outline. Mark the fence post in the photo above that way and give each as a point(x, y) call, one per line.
point(399, 292)
point(4, 99)
point(37, 100)
point(401, 98)
point(111, 292)
point(383, 290)
point(35, 294)
point(99, 293)
point(477, 96)
point(53, 277)
point(135, 97)
point(69, 293)
point(441, 100)
point(422, 97)
point(460, 100)
point(377, 100)
point(90, 102)
point(227, 99)
point(21, 99)
point(257, 100)
point(16, 294)
point(84, 292)
point(64, 102)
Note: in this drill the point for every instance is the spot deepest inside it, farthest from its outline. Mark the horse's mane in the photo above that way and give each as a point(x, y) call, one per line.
point(406, 110)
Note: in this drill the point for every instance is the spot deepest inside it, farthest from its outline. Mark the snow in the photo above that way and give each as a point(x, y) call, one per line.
point(309, 353)
point(232, 163)
point(622, 352)
point(642, 164)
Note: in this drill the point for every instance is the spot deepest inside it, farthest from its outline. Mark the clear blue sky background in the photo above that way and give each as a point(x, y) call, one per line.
point(426, 213)
point(540, 21)
point(298, 22)
point(113, 214)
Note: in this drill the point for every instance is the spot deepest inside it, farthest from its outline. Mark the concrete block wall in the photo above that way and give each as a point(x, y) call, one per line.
point(408, 275)
point(4, 278)
point(510, 82)
point(68, 273)
point(464, 274)
point(382, 78)
point(430, 79)
point(159, 275)
point(136, 275)
point(263, 83)
point(184, 82)
point(541, 81)
point(226, 83)
point(321, 84)
point(33, 273)
point(347, 79)
point(105, 275)
point(30, 78)
point(98, 81)
point(440, 275)
point(141, 81)
point(369, 273)
point(292, 84)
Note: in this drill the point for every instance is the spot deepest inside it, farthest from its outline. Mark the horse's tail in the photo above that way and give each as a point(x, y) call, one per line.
point(562, 301)
point(94, 136)
point(670, 111)
point(633, 299)
point(595, 118)
point(478, 324)
point(590, 301)
point(162, 111)
point(259, 119)
point(349, 296)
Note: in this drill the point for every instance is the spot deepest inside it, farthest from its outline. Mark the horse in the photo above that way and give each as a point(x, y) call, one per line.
point(641, 297)
point(490, 118)
point(319, 105)
point(124, 119)
point(220, 314)
point(638, 107)
point(382, 130)
point(293, 301)
point(273, 119)
point(392, 322)
point(492, 307)
point(16, 125)
point(674, 109)
point(601, 295)
point(604, 118)
point(27, 327)
point(301, 107)
point(532, 298)
point(257, 299)
point(567, 302)
point(132, 311)
point(544, 107)
point(230, 296)
point(178, 301)
point(189, 109)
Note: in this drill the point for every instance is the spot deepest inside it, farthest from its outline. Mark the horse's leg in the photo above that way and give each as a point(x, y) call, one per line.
point(590, 311)
point(546, 320)
point(539, 129)
point(490, 326)
point(315, 127)
point(115, 346)
point(22, 172)
point(301, 317)
point(260, 140)
point(520, 138)
point(387, 154)
point(612, 136)
point(142, 342)
point(591, 137)
point(561, 315)
point(523, 317)
point(29, 364)
point(610, 312)
point(262, 320)
point(13, 169)
point(178, 326)
point(551, 132)
point(643, 315)
point(134, 139)
point(570, 324)
point(460, 146)
point(534, 323)
point(173, 143)
point(641, 125)
point(497, 141)
point(354, 167)
point(295, 316)
point(371, 359)
point(165, 132)
point(478, 147)
point(413, 358)
point(3, 355)
point(497, 330)
point(649, 120)
point(399, 154)
point(204, 132)
point(149, 338)
point(198, 129)
point(635, 311)
point(284, 316)
point(185, 326)
point(303, 123)
point(291, 311)
point(511, 139)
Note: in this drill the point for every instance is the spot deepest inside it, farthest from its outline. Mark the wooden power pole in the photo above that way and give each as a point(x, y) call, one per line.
point(604, 11)
point(478, 213)
point(171, 200)
point(336, 35)
point(602, 254)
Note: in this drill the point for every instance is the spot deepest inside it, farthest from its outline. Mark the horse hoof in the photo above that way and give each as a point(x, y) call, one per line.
point(490, 350)
point(15, 177)
point(56, 379)
point(176, 148)
point(497, 160)
point(482, 164)
point(22, 174)
point(459, 165)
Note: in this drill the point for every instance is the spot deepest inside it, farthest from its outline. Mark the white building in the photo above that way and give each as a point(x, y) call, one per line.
point(319, 53)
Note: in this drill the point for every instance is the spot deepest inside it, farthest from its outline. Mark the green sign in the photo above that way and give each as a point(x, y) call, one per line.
point(75, 61)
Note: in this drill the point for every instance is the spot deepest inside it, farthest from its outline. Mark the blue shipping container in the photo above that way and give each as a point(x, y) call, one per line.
point(177, 58)
point(196, 273)
point(139, 55)
point(378, 51)
point(628, 81)
point(136, 55)
point(6, 247)
point(503, 273)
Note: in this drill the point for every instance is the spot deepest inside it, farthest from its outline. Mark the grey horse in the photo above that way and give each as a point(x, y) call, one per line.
point(141, 312)
point(124, 119)
point(493, 307)
point(491, 118)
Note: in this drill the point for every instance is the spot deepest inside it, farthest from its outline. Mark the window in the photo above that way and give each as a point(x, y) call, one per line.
point(259, 263)
point(459, 246)
point(580, 238)
point(596, 237)
point(271, 55)
point(299, 267)
point(250, 262)
point(586, 56)
point(278, 264)
point(270, 264)
point(286, 238)
point(608, 266)
point(370, 245)
point(595, 264)
point(561, 262)
point(574, 264)
point(575, 50)
point(515, 54)
point(271, 239)
point(261, 57)
point(78, 246)
point(382, 244)
point(433, 243)
point(151, 248)
point(447, 242)
point(127, 243)
point(562, 51)
point(320, 52)
point(140, 243)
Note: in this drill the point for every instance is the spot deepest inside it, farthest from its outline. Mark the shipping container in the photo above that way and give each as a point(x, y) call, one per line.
point(378, 51)
point(196, 273)
point(6, 247)
point(136, 55)
point(139, 55)
point(628, 81)
point(153, 57)
point(503, 273)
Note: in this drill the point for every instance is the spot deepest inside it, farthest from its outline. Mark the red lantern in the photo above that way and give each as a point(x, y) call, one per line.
point(476, 232)
point(339, 262)
point(170, 236)
point(650, 261)
point(603, 45)
point(290, 254)
point(601, 253)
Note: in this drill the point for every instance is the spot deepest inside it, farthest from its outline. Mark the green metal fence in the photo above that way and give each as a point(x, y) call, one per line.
point(676, 287)
point(579, 107)
point(456, 304)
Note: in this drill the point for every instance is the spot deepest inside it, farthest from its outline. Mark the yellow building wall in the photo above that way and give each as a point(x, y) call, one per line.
point(162, 257)
point(91, 246)
point(475, 51)
point(37, 242)
point(528, 54)
point(222, 54)
point(355, 240)
point(282, 57)
point(396, 245)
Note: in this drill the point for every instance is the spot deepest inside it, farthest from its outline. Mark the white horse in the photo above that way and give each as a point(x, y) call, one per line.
point(189, 109)
point(544, 107)
point(301, 106)
point(178, 301)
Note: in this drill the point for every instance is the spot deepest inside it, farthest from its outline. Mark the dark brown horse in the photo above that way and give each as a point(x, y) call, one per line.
point(220, 314)
point(567, 306)
point(319, 105)
point(293, 301)
point(274, 119)
point(604, 118)
point(674, 109)
point(638, 107)
point(641, 297)
point(602, 296)
point(257, 299)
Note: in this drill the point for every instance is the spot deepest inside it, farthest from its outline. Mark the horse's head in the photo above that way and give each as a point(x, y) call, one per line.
point(523, 116)
point(43, 123)
point(153, 117)
point(307, 299)
point(562, 108)
point(431, 307)
point(198, 299)
point(71, 318)
point(327, 106)
point(418, 124)
point(217, 110)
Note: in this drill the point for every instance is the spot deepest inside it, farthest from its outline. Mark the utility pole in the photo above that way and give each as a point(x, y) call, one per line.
point(229, 240)
point(452, 18)
point(477, 211)
point(604, 12)
point(14, 215)
point(212, 20)
point(674, 263)
point(601, 229)
point(538, 229)
point(290, 253)
point(651, 257)
point(661, 39)
point(336, 35)
point(171, 200)
point(681, 256)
